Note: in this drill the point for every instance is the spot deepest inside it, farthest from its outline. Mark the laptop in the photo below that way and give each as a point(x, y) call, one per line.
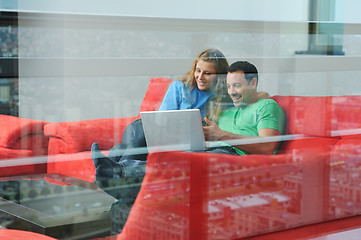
point(173, 130)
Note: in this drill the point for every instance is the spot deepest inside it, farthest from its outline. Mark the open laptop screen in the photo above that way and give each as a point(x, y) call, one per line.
point(173, 130)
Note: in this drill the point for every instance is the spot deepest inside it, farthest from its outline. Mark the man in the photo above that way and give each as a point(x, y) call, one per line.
point(250, 117)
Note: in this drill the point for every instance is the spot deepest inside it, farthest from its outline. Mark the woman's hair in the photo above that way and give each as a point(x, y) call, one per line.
point(219, 99)
point(209, 55)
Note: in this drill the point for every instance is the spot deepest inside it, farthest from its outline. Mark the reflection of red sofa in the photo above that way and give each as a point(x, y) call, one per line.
point(298, 186)
point(314, 177)
point(66, 143)
point(22, 138)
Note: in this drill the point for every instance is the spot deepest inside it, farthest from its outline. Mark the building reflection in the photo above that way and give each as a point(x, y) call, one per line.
point(247, 201)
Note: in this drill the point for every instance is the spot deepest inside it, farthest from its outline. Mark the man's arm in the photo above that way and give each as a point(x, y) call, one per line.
point(214, 133)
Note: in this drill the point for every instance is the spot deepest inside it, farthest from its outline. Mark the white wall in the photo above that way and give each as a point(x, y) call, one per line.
point(347, 11)
point(76, 67)
point(90, 68)
point(255, 10)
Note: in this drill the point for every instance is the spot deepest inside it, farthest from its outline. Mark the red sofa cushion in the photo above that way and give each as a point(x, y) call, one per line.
point(346, 116)
point(77, 136)
point(316, 114)
point(306, 115)
point(19, 133)
point(323, 116)
point(292, 124)
point(155, 93)
point(37, 143)
point(22, 235)
point(346, 149)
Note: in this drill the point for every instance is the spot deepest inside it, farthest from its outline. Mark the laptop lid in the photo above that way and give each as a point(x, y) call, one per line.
point(173, 130)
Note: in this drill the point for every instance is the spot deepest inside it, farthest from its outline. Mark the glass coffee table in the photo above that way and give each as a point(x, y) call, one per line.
point(55, 205)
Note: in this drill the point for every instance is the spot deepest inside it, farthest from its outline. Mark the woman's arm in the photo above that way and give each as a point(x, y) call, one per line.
point(263, 95)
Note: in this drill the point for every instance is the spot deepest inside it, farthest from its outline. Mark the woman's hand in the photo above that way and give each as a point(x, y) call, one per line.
point(263, 95)
point(212, 132)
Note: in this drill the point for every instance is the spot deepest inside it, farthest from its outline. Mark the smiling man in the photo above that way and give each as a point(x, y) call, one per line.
point(250, 117)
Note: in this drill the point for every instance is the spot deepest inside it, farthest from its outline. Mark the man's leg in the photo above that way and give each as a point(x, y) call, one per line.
point(133, 168)
point(104, 167)
point(117, 152)
point(222, 150)
point(107, 167)
point(109, 170)
point(134, 139)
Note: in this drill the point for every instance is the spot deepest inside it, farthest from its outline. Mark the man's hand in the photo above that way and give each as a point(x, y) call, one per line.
point(212, 132)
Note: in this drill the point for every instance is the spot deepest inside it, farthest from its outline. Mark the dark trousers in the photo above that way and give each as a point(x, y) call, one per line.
point(133, 138)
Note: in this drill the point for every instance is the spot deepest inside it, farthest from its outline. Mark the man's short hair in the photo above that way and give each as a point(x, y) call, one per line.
point(250, 71)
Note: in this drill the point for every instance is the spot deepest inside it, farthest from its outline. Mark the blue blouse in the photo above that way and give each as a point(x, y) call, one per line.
point(178, 97)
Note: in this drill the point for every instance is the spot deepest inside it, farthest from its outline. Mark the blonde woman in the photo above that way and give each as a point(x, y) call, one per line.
point(203, 88)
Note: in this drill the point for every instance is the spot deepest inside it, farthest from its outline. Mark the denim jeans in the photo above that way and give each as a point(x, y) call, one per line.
point(133, 168)
point(134, 138)
point(136, 168)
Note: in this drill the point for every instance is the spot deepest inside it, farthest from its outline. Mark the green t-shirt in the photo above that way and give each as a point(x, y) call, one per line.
point(248, 120)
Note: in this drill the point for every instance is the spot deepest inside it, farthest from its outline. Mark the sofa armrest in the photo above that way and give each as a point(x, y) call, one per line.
point(199, 192)
point(78, 136)
point(15, 129)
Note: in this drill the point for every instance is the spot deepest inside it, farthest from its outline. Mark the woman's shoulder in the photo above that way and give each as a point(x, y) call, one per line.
point(266, 101)
point(269, 103)
point(177, 83)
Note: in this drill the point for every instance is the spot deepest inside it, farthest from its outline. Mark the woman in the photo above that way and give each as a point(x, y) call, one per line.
point(203, 87)
point(204, 83)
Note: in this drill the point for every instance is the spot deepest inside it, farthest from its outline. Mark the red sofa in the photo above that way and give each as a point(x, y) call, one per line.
point(22, 138)
point(197, 195)
point(313, 179)
point(64, 147)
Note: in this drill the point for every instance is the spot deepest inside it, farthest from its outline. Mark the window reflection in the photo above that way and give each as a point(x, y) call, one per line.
point(47, 175)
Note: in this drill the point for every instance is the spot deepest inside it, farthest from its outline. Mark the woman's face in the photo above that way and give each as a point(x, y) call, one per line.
point(205, 75)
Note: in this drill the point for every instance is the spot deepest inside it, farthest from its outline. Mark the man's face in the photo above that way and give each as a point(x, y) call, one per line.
point(240, 90)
